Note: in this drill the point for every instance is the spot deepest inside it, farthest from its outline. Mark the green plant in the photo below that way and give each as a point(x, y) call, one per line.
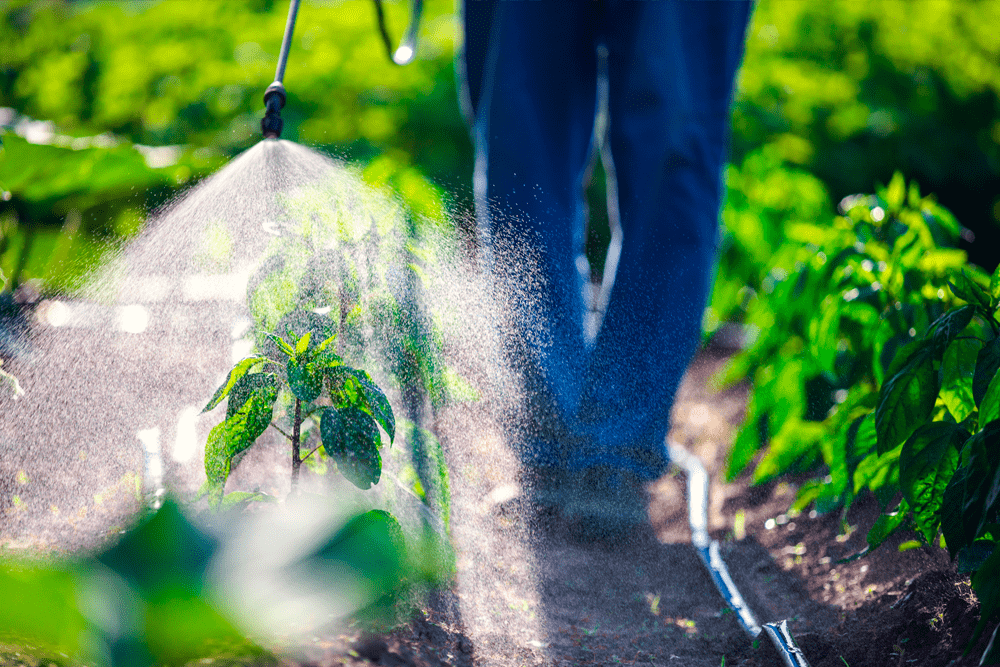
point(940, 407)
point(877, 366)
point(148, 599)
point(836, 303)
point(339, 402)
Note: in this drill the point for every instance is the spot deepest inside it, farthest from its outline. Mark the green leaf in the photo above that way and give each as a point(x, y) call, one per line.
point(744, 448)
point(986, 584)
point(322, 346)
point(886, 525)
point(895, 193)
point(952, 506)
point(972, 557)
point(971, 495)
point(304, 379)
point(989, 409)
point(987, 365)
point(926, 465)
point(351, 438)
point(164, 550)
point(240, 430)
point(294, 326)
point(246, 387)
point(951, 324)
point(41, 606)
point(282, 344)
point(796, 438)
point(302, 344)
point(372, 546)
point(968, 290)
point(995, 287)
point(372, 400)
point(181, 629)
point(906, 400)
point(957, 369)
point(237, 372)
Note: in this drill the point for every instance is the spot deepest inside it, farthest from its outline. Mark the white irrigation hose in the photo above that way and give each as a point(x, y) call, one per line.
point(708, 551)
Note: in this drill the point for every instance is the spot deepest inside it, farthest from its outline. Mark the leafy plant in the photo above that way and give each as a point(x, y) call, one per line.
point(150, 599)
point(941, 407)
point(877, 364)
point(339, 402)
point(836, 303)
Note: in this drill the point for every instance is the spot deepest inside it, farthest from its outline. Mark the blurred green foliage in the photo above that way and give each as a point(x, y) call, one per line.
point(154, 597)
point(849, 92)
point(853, 91)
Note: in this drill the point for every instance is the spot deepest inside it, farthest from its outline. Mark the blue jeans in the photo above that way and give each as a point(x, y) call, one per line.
point(531, 70)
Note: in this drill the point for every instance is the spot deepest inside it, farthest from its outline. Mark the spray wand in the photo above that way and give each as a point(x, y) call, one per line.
point(274, 97)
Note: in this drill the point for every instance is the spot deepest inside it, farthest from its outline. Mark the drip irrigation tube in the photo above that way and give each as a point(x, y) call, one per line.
point(708, 551)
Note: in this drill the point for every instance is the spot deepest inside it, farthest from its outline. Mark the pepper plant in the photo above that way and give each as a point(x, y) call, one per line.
point(876, 366)
point(300, 365)
point(940, 409)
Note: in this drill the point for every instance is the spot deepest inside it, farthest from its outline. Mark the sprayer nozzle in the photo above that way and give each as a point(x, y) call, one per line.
point(274, 101)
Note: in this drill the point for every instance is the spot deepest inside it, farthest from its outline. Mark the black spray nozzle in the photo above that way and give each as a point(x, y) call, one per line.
point(274, 102)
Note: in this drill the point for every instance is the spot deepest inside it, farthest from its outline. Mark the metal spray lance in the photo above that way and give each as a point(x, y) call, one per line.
point(274, 97)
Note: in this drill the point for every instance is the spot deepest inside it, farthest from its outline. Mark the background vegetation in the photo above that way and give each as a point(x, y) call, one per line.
point(110, 108)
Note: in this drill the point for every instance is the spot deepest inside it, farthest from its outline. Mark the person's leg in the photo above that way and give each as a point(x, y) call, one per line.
point(671, 69)
point(533, 129)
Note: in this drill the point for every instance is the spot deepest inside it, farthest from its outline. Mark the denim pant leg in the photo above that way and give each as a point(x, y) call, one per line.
point(671, 67)
point(533, 129)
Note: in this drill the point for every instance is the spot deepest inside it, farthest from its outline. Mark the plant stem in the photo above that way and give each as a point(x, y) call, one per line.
point(296, 428)
point(311, 452)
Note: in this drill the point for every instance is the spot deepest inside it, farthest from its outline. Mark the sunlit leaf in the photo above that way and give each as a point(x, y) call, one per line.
point(957, 370)
point(180, 629)
point(237, 372)
point(246, 387)
point(302, 344)
point(41, 606)
point(239, 431)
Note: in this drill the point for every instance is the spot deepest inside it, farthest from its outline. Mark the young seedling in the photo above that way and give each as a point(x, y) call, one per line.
point(347, 405)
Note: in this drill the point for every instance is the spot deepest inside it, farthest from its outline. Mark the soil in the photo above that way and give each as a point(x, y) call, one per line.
point(527, 595)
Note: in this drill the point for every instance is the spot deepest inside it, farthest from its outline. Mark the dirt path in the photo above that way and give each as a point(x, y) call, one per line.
point(527, 596)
